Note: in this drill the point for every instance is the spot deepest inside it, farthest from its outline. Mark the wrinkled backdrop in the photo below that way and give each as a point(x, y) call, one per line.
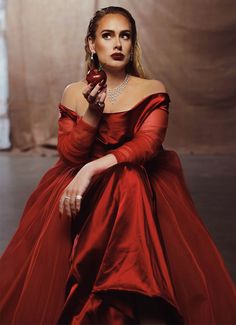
point(189, 45)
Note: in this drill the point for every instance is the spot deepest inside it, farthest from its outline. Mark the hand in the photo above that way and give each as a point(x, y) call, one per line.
point(96, 96)
point(76, 187)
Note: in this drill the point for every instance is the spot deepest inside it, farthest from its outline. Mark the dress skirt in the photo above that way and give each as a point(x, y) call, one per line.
point(117, 250)
point(137, 244)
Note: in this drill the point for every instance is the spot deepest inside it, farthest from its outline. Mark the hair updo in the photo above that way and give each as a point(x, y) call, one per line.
point(134, 67)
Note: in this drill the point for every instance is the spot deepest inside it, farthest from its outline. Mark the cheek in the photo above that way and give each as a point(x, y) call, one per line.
point(102, 45)
point(98, 47)
point(128, 46)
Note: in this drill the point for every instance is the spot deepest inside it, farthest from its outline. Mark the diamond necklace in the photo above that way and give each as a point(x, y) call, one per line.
point(113, 93)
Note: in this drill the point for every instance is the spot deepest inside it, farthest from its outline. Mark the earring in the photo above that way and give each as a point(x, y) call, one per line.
point(131, 56)
point(92, 56)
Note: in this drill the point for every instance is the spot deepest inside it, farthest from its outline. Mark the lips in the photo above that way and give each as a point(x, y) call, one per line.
point(117, 56)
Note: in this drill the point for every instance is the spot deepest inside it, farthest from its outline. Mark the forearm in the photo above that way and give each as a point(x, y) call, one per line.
point(101, 164)
point(91, 117)
point(75, 138)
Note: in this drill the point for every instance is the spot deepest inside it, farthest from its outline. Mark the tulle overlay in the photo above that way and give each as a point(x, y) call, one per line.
point(137, 236)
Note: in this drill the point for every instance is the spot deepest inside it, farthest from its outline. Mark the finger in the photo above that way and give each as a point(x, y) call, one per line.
point(102, 88)
point(77, 205)
point(61, 205)
point(67, 207)
point(94, 91)
point(91, 95)
point(103, 96)
point(98, 99)
point(87, 90)
point(72, 205)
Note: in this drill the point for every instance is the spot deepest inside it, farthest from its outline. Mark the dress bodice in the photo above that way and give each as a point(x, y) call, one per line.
point(118, 127)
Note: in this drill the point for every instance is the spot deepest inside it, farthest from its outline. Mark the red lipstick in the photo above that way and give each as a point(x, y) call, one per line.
point(118, 56)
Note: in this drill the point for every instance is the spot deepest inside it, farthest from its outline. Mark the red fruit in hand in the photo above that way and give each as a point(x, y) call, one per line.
point(94, 76)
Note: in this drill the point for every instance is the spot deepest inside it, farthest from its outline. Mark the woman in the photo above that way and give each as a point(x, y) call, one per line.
point(111, 235)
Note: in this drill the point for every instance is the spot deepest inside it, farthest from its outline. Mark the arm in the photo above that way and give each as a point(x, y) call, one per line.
point(147, 141)
point(70, 99)
point(75, 138)
point(76, 133)
point(145, 144)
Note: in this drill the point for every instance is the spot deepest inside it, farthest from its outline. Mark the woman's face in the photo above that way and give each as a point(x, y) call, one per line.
point(113, 35)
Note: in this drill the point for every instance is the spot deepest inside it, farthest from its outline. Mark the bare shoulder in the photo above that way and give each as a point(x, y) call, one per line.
point(156, 86)
point(149, 86)
point(72, 95)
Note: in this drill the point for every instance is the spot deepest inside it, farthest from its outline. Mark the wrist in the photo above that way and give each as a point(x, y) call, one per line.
point(89, 169)
point(96, 110)
point(98, 165)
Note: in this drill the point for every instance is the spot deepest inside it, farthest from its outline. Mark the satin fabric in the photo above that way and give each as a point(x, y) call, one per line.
point(138, 235)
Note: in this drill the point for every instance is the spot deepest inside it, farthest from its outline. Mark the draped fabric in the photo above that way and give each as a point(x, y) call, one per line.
point(188, 45)
point(137, 237)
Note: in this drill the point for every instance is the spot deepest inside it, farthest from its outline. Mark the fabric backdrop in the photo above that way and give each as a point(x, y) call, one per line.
point(189, 45)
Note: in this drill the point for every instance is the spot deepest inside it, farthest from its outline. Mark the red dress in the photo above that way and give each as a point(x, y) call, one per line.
point(137, 233)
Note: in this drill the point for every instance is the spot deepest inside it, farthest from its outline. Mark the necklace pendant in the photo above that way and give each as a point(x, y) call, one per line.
point(112, 94)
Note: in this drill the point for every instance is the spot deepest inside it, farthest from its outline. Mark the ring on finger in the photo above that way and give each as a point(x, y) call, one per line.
point(78, 197)
point(101, 104)
point(67, 197)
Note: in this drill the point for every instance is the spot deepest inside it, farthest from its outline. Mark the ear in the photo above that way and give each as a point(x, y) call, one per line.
point(91, 44)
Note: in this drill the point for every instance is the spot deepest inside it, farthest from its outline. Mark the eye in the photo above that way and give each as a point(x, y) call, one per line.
point(126, 36)
point(106, 35)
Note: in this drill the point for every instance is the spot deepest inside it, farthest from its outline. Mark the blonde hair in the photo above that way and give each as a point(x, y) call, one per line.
point(134, 67)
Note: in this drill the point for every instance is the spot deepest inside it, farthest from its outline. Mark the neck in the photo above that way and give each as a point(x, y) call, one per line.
point(114, 79)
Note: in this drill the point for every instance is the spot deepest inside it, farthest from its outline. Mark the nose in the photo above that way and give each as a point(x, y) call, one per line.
point(118, 44)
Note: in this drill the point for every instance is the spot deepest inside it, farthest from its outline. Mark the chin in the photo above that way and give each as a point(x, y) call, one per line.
point(115, 69)
point(115, 65)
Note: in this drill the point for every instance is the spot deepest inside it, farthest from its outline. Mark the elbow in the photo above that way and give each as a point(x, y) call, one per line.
point(70, 157)
point(63, 154)
point(152, 153)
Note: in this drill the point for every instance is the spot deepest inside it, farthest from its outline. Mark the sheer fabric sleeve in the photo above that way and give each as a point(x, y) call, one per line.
point(75, 137)
point(147, 141)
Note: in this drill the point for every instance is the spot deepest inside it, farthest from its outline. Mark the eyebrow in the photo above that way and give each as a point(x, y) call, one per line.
point(112, 31)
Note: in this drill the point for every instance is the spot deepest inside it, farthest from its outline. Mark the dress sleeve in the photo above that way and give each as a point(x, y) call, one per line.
point(75, 136)
point(148, 139)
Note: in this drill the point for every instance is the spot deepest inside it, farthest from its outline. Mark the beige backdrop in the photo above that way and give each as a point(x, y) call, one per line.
point(189, 45)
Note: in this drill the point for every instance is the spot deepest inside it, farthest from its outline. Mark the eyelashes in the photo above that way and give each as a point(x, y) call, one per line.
point(126, 36)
